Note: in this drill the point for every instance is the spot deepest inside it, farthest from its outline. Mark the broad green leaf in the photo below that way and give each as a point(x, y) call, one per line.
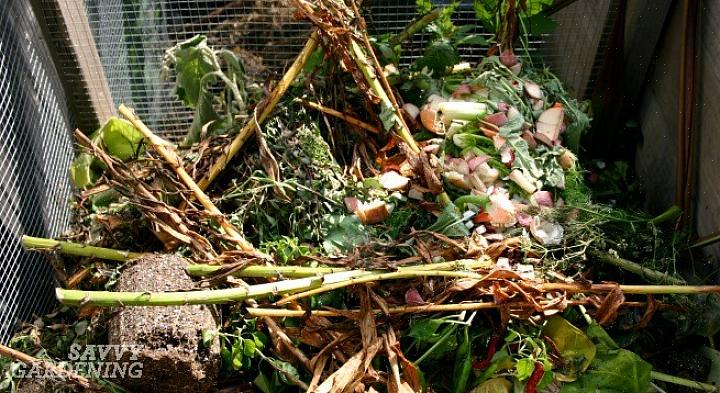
point(425, 330)
point(534, 7)
point(81, 171)
point(576, 349)
point(705, 315)
point(449, 223)
point(541, 24)
point(193, 61)
point(121, 139)
point(472, 39)
point(264, 384)
point(613, 370)
point(249, 348)
point(344, 233)
point(714, 357)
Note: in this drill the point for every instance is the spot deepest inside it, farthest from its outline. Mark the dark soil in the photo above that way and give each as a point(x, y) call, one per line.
point(173, 357)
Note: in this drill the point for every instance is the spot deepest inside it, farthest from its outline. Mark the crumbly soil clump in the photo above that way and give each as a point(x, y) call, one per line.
point(173, 356)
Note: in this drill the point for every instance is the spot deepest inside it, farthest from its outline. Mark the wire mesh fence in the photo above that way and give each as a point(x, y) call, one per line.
point(35, 152)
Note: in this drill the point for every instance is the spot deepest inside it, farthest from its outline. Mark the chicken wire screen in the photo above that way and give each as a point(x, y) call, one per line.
point(35, 152)
point(131, 37)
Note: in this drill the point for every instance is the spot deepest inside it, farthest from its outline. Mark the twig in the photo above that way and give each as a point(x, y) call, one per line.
point(658, 376)
point(162, 147)
point(69, 248)
point(62, 373)
point(399, 310)
point(285, 341)
point(272, 100)
point(347, 118)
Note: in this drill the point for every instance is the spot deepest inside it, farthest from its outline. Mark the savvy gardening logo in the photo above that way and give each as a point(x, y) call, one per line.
point(95, 361)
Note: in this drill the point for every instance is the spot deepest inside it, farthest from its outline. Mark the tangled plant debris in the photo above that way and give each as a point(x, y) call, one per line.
point(368, 227)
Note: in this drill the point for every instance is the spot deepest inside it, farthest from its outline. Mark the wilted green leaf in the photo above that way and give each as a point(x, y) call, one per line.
point(249, 348)
point(472, 39)
point(193, 60)
point(285, 368)
point(207, 337)
point(264, 384)
point(237, 354)
point(120, 139)
point(576, 349)
point(425, 330)
point(81, 171)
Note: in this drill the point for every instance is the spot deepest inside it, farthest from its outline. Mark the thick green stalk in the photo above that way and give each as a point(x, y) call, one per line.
point(658, 376)
point(372, 79)
point(635, 268)
point(670, 214)
point(110, 299)
point(216, 296)
point(201, 270)
point(69, 248)
point(415, 27)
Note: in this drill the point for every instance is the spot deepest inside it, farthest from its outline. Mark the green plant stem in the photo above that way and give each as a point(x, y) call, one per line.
point(658, 376)
point(707, 240)
point(437, 344)
point(201, 270)
point(386, 104)
point(670, 214)
point(635, 268)
point(69, 248)
point(415, 27)
point(217, 296)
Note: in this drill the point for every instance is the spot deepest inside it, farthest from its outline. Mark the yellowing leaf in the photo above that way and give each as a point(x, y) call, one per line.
point(576, 349)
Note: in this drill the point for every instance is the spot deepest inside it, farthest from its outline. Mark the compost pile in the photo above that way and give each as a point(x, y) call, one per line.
point(366, 226)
